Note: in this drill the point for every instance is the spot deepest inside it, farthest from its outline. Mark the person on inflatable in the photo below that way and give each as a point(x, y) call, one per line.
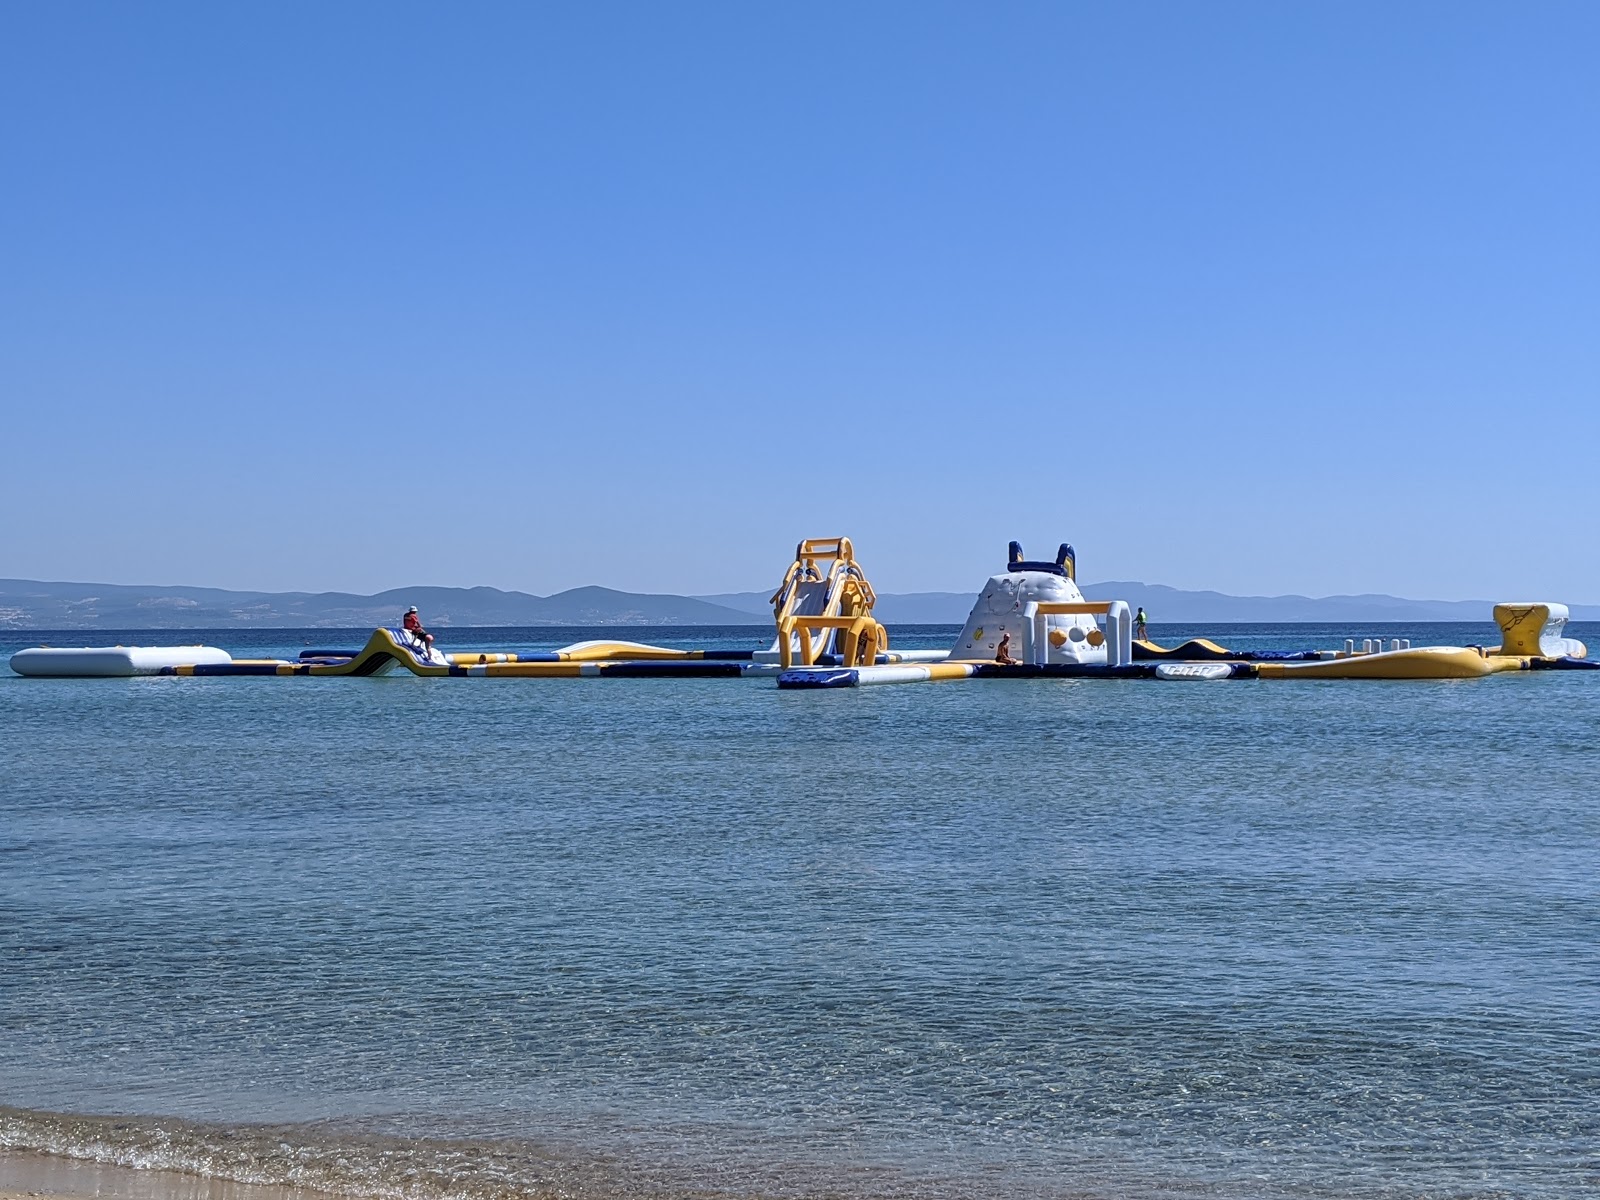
point(1141, 628)
point(1002, 652)
point(413, 626)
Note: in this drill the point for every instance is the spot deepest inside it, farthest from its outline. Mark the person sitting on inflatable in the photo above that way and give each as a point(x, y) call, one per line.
point(1002, 652)
point(413, 626)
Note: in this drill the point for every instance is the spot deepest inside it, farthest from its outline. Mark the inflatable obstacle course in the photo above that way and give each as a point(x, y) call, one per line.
point(1030, 621)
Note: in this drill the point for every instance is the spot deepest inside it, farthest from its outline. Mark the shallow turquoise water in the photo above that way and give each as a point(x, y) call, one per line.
point(998, 937)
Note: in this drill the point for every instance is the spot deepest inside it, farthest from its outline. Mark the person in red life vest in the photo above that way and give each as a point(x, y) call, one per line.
point(413, 626)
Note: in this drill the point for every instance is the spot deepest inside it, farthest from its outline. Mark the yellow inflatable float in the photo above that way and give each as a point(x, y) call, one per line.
point(1532, 636)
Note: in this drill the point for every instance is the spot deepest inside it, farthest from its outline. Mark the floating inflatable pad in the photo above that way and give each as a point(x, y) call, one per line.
point(1420, 662)
point(1193, 671)
point(106, 662)
point(837, 677)
point(820, 678)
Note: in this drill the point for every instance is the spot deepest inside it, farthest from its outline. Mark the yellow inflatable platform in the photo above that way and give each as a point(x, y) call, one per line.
point(1421, 662)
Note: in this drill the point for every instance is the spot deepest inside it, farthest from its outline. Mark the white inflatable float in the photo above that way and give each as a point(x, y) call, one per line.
point(1194, 672)
point(99, 662)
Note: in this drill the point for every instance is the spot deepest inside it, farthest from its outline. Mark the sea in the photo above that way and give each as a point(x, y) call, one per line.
point(462, 939)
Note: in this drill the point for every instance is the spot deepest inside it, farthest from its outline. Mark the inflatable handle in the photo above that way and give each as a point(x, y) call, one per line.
point(1067, 558)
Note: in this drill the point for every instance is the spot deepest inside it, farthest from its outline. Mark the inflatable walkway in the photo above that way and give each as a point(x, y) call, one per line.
point(389, 650)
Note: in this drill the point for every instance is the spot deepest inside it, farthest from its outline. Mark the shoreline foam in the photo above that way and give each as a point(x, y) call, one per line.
point(65, 1156)
point(165, 1158)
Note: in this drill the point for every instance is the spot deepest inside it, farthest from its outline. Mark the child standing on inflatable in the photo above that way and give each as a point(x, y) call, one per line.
point(413, 626)
point(1141, 628)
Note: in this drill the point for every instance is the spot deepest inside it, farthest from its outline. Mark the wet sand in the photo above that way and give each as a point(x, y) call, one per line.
point(28, 1176)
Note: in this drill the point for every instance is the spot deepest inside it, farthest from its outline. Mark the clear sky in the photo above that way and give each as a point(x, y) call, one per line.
point(1256, 297)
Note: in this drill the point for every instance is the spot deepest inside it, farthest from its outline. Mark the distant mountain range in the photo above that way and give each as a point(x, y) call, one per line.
point(29, 604)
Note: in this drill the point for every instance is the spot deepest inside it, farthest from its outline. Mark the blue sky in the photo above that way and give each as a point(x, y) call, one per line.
point(1256, 297)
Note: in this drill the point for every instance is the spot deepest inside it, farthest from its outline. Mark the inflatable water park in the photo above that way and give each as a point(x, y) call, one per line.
point(1029, 621)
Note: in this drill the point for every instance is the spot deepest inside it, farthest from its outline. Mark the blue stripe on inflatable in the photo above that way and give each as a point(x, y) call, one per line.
point(835, 660)
point(540, 656)
point(304, 654)
point(1566, 663)
point(727, 655)
point(267, 668)
point(1044, 568)
point(1065, 671)
point(844, 677)
point(671, 670)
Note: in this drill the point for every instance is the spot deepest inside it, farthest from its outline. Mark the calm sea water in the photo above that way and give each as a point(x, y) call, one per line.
point(1002, 938)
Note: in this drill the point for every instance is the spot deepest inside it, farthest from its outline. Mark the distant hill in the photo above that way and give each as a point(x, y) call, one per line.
point(30, 604)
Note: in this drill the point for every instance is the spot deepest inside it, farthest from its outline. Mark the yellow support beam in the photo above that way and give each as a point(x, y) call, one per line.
point(864, 639)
